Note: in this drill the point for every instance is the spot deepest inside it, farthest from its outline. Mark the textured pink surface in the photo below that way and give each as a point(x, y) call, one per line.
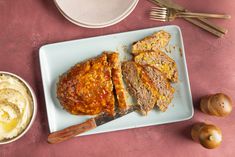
point(25, 25)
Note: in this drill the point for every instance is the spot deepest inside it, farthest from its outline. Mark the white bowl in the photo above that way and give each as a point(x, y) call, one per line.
point(91, 14)
point(34, 108)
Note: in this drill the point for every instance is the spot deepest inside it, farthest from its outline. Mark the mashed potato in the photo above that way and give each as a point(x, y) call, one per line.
point(16, 107)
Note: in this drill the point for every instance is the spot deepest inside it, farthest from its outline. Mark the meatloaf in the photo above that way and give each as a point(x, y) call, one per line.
point(139, 86)
point(116, 72)
point(159, 60)
point(88, 87)
point(148, 85)
point(153, 42)
point(163, 86)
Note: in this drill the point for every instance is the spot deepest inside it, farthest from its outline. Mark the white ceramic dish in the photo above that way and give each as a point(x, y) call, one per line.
point(55, 59)
point(34, 108)
point(95, 13)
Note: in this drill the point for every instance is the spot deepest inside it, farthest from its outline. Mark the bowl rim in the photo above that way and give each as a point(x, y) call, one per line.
point(34, 113)
point(102, 25)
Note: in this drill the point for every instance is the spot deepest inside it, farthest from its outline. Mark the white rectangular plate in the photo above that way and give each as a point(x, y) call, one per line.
point(55, 59)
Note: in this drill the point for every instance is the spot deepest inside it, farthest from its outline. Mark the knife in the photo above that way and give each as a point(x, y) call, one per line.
point(92, 123)
point(200, 22)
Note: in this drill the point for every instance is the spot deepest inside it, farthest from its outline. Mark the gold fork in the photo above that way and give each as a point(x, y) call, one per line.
point(169, 14)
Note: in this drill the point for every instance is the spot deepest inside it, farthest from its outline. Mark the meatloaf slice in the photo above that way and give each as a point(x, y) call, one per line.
point(165, 90)
point(139, 86)
point(161, 61)
point(113, 59)
point(148, 86)
point(153, 42)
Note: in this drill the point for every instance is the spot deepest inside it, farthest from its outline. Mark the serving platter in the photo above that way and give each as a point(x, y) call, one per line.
point(57, 58)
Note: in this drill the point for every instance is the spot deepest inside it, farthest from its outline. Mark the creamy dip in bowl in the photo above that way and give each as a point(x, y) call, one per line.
point(17, 107)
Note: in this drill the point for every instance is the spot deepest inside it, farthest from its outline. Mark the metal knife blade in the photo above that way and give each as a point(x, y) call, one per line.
point(105, 118)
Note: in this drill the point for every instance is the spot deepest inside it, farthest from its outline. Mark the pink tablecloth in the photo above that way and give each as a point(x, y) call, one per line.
point(25, 25)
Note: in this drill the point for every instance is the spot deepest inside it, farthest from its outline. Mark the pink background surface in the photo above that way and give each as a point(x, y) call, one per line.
point(25, 25)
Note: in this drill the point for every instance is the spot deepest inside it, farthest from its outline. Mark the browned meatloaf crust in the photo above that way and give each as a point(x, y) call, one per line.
point(148, 86)
point(159, 60)
point(87, 88)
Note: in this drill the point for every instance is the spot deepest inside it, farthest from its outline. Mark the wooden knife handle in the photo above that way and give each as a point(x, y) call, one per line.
point(70, 132)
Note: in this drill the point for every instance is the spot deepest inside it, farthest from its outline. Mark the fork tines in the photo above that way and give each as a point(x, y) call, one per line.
point(158, 13)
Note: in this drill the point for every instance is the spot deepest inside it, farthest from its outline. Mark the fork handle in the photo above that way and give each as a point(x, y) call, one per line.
point(205, 15)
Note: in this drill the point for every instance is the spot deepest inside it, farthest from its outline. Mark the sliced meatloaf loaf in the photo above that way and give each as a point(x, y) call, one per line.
point(90, 87)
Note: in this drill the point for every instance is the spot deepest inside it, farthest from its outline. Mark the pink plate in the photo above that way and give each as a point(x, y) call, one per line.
point(95, 13)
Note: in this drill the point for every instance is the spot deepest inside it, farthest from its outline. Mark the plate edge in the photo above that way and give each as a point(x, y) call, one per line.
point(50, 122)
point(186, 70)
point(107, 35)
